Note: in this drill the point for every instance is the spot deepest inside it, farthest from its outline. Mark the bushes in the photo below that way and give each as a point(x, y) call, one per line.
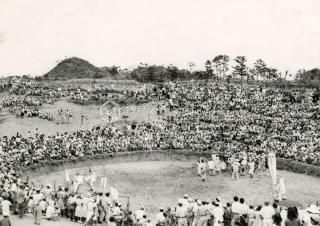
point(282, 164)
point(298, 167)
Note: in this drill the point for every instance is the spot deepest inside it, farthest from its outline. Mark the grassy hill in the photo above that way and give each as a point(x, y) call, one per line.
point(75, 68)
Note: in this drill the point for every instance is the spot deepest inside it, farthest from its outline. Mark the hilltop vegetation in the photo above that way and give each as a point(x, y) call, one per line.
point(75, 68)
point(221, 69)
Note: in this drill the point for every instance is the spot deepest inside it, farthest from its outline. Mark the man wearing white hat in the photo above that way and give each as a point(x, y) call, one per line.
point(181, 214)
point(217, 213)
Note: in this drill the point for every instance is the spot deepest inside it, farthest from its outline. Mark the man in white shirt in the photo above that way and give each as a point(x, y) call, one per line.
point(251, 168)
point(185, 201)
point(6, 207)
point(235, 169)
point(267, 213)
point(244, 208)
point(160, 218)
point(139, 213)
point(37, 197)
point(211, 167)
point(217, 213)
point(51, 214)
point(181, 214)
point(236, 210)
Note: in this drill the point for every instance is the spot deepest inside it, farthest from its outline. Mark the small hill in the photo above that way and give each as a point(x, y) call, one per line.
point(74, 68)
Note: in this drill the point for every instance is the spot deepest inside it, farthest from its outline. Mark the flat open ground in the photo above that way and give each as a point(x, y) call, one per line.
point(10, 124)
point(161, 183)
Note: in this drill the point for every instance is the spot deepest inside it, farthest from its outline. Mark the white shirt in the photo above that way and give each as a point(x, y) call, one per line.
point(218, 213)
point(236, 207)
point(50, 211)
point(267, 212)
point(244, 208)
point(211, 164)
point(6, 207)
point(185, 202)
point(160, 218)
point(236, 166)
point(37, 198)
point(139, 214)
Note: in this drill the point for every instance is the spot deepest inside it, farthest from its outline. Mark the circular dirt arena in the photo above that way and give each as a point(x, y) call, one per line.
point(162, 183)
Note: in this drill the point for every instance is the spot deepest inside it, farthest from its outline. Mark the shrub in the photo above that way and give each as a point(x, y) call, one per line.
point(298, 167)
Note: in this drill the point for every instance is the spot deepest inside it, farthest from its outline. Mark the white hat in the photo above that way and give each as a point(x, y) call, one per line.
point(185, 195)
point(199, 202)
point(180, 201)
point(313, 209)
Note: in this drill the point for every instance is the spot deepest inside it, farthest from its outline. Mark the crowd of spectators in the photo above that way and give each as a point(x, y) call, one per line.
point(206, 117)
point(226, 119)
point(101, 208)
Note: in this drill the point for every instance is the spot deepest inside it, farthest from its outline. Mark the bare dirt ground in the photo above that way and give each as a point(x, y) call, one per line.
point(162, 183)
point(10, 124)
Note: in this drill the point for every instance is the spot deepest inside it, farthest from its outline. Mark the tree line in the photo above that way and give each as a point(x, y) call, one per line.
point(221, 68)
point(218, 68)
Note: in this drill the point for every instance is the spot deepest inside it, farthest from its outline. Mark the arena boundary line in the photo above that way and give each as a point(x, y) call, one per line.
point(151, 155)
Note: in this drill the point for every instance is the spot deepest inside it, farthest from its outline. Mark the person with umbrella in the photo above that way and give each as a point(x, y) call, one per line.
point(311, 216)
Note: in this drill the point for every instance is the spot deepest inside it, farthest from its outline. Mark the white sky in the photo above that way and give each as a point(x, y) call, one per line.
point(34, 34)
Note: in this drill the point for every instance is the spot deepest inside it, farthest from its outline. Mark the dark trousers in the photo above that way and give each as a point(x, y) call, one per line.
point(21, 209)
point(71, 211)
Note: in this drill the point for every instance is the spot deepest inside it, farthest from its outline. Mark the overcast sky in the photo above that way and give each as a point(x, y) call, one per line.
point(34, 34)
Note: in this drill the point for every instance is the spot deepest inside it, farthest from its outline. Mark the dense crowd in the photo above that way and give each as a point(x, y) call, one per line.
point(84, 95)
point(225, 119)
point(100, 208)
point(206, 117)
point(103, 93)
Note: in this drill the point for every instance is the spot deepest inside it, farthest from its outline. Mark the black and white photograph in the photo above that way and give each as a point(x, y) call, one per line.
point(160, 112)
